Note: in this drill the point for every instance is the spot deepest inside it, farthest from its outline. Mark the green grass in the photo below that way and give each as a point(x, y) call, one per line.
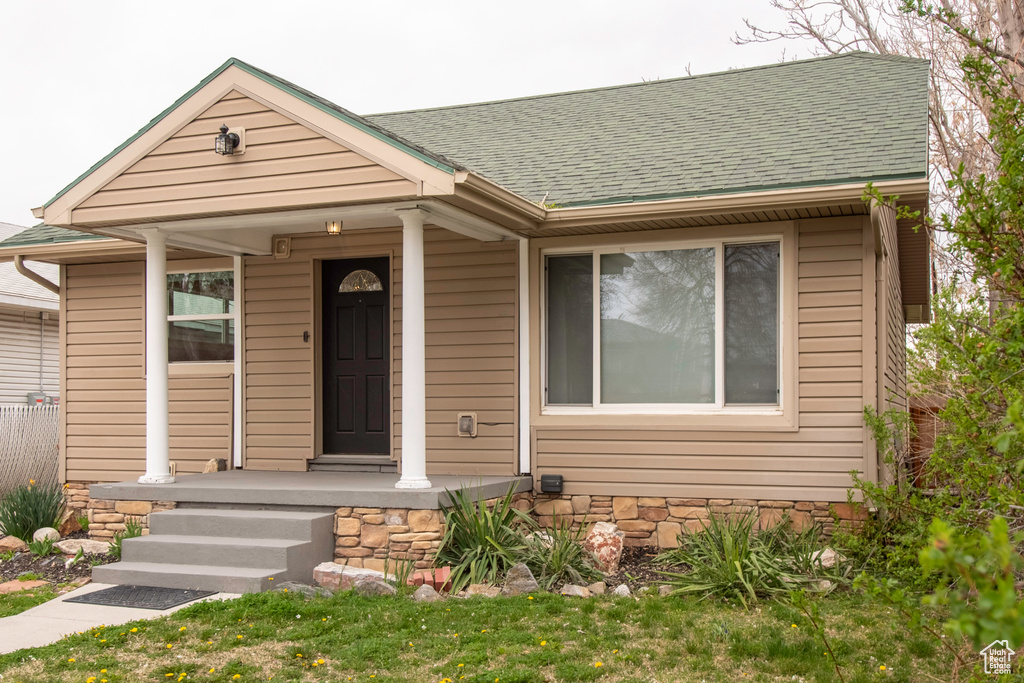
point(548, 638)
point(16, 603)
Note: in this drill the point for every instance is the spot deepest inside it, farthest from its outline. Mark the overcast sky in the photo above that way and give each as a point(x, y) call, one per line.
point(78, 78)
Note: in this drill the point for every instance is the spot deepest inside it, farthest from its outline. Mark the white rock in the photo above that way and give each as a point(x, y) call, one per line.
point(622, 590)
point(46, 532)
point(88, 547)
point(339, 577)
point(605, 541)
point(426, 593)
point(575, 591)
point(828, 557)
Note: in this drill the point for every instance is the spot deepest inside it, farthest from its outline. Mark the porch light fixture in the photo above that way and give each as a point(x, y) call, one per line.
point(333, 227)
point(226, 142)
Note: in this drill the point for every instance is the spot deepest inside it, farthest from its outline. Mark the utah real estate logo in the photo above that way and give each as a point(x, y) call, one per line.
point(997, 657)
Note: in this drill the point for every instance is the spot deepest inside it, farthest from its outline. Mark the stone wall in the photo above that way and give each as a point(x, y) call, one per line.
point(107, 517)
point(659, 521)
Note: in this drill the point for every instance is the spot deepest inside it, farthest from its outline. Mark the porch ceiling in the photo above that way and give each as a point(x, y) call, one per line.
point(308, 489)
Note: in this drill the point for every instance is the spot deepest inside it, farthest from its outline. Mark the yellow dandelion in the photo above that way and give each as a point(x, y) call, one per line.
point(598, 664)
point(209, 642)
point(881, 667)
point(169, 646)
point(135, 630)
point(462, 665)
point(484, 631)
point(90, 679)
point(103, 640)
point(182, 629)
point(168, 675)
point(71, 659)
point(316, 663)
point(324, 619)
point(299, 655)
point(285, 590)
point(237, 676)
point(103, 671)
point(530, 598)
point(320, 661)
point(614, 651)
point(794, 625)
point(239, 637)
point(211, 670)
point(543, 643)
point(270, 579)
point(410, 644)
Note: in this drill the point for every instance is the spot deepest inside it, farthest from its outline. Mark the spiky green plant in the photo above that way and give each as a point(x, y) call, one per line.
point(556, 555)
point(481, 542)
point(29, 508)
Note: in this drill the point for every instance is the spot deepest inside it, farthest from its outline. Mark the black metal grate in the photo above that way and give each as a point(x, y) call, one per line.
point(141, 597)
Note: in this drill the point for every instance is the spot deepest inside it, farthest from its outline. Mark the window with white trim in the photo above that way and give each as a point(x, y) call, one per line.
point(201, 316)
point(677, 328)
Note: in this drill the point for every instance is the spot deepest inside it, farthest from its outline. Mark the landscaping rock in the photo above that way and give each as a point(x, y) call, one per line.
point(17, 586)
point(664, 591)
point(69, 523)
point(828, 557)
point(303, 589)
point(426, 593)
point(215, 465)
point(597, 588)
point(46, 532)
point(519, 581)
point(373, 587)
point(14, 543)
point(622, 590)
point(605, 541)
point(482, 590)
point(575, 591)
point(339, 577)
point(71, 546)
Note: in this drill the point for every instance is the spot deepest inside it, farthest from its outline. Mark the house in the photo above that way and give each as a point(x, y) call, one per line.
point(665, 299)
point(28, 329)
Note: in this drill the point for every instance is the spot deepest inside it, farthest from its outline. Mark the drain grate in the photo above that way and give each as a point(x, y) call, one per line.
point(141, 597)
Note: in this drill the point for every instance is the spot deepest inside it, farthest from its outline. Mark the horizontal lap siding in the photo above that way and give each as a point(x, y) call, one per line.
point(812, 463)
point(896, 331)
point(105, 395)
point(23, 338)
point(285, 165)
point(470, 292)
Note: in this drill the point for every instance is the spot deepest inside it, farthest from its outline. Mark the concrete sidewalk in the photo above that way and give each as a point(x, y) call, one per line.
point(49, 622)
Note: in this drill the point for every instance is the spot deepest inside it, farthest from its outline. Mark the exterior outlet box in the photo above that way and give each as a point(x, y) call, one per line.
point(38, 398)
point(467, 424)
point(551, 483)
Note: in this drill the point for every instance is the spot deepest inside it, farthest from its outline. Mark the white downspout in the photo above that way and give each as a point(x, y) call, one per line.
point(158, 470)
point(414, 375)
point(524, 356)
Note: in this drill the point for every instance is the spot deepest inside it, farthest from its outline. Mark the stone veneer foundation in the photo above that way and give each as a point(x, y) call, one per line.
point(366, 537)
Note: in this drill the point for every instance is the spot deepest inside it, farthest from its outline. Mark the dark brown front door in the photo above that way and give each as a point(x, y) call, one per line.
point(356, 360)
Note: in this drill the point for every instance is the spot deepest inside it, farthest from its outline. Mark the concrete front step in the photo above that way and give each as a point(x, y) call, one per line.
point(241, 523)
point(193, 576)
point(226, 550)
point(220, 551)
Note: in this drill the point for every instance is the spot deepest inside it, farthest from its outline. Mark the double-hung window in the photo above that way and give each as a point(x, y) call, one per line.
point(675, 328)
point(201, 316)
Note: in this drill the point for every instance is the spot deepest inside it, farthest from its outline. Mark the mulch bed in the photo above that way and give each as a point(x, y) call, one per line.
point(51, 568)
point(637, 569)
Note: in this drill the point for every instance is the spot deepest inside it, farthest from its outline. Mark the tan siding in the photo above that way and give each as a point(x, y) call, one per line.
point(470, 337)
point(105, 388)
point(28, 344)
point(284, 165)
point(811, 463)
point(896, 341)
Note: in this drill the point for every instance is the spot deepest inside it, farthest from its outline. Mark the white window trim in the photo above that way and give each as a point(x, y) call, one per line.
point(212, 316)
point(717, 408)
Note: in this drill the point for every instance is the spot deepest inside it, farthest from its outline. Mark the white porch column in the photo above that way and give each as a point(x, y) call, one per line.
point(414, 376)
point(158, 469)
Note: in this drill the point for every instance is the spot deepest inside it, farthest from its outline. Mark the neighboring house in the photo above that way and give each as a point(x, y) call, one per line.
point(671, 293)
point(29, 343)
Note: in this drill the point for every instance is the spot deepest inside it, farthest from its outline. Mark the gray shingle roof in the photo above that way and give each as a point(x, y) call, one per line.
point(846, 118)
point(47, 234)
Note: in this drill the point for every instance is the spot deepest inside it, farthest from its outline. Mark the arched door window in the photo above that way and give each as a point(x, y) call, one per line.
point(360, 281)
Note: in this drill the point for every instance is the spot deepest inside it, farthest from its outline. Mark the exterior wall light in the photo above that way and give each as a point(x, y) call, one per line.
point(226, 142)
point(333, 227)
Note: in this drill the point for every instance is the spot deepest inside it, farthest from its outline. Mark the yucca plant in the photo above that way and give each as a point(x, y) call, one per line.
point(480, 542)
point(726, 558)
point(29, 508)
point(556, 556)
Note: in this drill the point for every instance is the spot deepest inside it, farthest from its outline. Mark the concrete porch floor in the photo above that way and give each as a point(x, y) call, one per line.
point(308, 489)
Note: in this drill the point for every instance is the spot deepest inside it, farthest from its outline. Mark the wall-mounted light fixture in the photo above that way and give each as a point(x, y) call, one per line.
point(227, 142)
point(333, 227)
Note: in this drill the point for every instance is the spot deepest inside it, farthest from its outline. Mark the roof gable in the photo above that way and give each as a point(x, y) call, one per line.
point(152, 176)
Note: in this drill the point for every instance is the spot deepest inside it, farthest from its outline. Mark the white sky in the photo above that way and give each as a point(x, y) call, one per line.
point(78, 78)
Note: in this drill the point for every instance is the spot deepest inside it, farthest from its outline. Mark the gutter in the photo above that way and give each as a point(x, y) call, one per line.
point(19, 265)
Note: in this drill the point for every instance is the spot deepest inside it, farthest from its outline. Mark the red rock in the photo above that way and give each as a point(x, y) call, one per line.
point(18, 586)
point(606, 541)
point(439, 578)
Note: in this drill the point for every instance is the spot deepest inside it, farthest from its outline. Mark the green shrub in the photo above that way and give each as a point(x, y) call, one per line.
point(727, 559)
point(29, 508)
point(42, 548)
point(132, 529)
point(557, 556)
point(481, 543)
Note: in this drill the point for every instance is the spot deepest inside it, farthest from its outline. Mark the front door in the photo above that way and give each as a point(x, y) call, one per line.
point(357, 416)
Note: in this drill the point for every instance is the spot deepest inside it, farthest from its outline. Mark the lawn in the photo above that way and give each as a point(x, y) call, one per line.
point(282, 637)
point(16, 603)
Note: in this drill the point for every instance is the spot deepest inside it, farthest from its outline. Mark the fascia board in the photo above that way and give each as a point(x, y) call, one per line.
point(53, 253)
point(907, 190)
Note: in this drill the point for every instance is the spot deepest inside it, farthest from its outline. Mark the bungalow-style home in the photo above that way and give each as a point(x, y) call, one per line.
point(29, 309)
point(640, 304)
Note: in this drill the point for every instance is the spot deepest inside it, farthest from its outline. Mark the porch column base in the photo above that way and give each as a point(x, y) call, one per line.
point(156, 479)
point(419, 483)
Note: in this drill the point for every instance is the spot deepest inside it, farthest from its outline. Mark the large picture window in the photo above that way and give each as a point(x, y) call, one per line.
point(694, 327)
point(201, 316)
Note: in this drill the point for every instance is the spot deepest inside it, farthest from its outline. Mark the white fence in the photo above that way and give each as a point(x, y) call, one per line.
point(28, 445)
